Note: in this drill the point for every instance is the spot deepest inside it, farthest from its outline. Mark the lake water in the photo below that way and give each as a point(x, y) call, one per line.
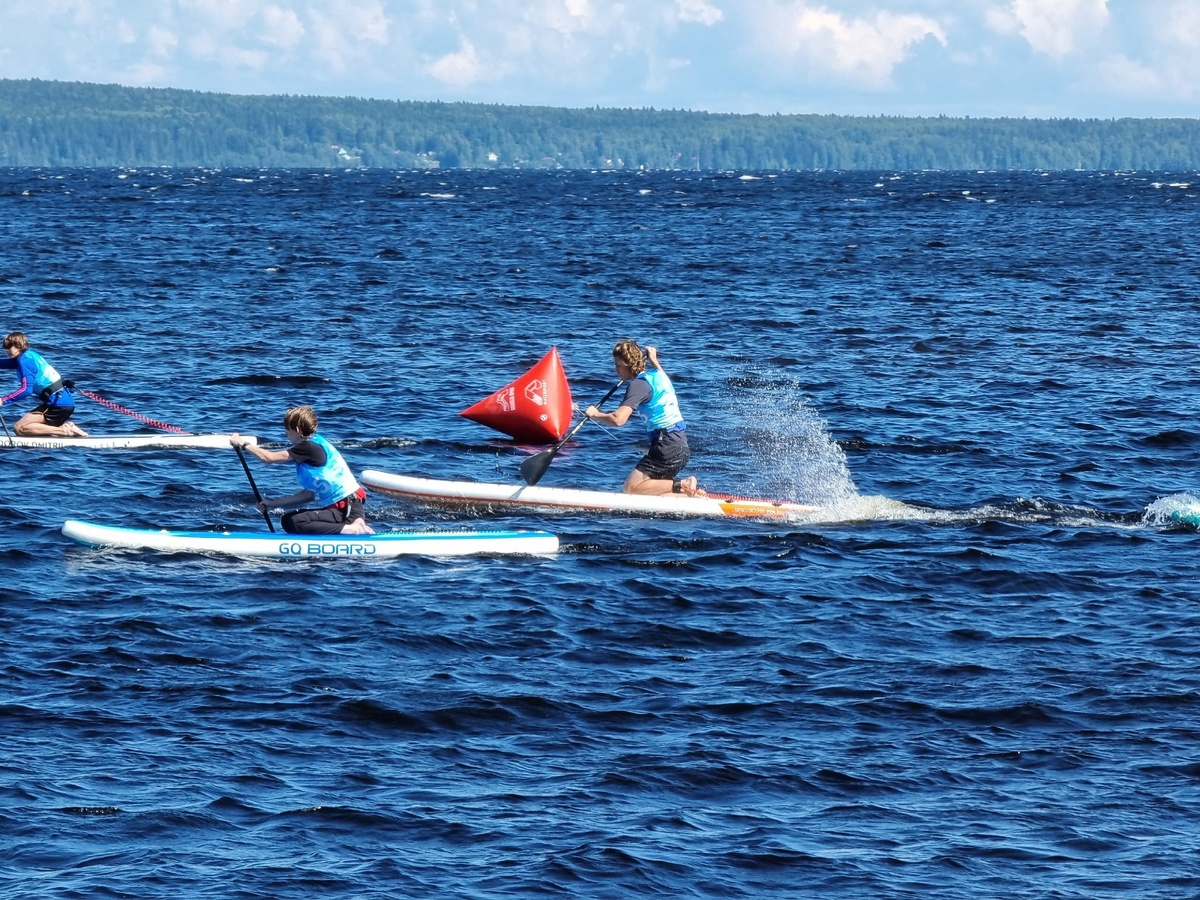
point(975, 674)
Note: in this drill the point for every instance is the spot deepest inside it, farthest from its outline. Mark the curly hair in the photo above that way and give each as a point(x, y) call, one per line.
point(628, 352)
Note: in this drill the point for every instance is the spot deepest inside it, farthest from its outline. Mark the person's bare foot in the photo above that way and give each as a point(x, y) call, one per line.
point(74, 430)
point(690, 487)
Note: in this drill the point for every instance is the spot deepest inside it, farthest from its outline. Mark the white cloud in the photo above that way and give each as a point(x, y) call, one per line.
point(343, 33)
point(864, 50)
point(145, 75)
point(364, 20)
point(1178, 27)
point(213, 48)
point(1141, 55)
point(283, 27)
point(698, 11)
point(570, 17)
point(1047, 57)
point(1170, 64)
point(162, 41)
point(459, 69)
point(552, 42)
point(1122, 75)
point(662, 73)
point(1056, 28)
point(126, 33)
point(224, 15)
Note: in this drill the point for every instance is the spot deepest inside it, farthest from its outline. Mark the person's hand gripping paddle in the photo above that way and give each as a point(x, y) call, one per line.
point(535, 467)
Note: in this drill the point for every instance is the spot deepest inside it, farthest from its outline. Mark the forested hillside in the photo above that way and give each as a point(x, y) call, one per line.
point(48, 123)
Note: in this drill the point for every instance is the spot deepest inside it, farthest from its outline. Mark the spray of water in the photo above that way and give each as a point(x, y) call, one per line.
point(792, 456)
point(795, 458)
point(1173, 510)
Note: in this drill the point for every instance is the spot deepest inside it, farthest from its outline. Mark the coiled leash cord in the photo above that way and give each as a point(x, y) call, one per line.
point(153, 423)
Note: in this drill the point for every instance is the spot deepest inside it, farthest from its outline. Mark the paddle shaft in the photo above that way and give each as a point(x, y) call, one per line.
point(7, 433)
point(257, 496)
point(570, 434)
point(535, 467)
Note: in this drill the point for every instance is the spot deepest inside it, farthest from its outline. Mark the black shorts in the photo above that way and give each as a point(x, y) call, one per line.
point(326, 520)
point(55, 415)
point(668, 454)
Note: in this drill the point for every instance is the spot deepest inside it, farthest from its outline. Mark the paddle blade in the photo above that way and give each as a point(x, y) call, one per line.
point(535, 466)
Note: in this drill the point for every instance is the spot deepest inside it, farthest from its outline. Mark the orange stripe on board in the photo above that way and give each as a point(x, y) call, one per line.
point(742, 508)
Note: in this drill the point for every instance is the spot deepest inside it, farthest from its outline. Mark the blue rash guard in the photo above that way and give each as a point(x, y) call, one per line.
point(669, 451)
point(329, 481)
point(38, 378)
point(654, 389)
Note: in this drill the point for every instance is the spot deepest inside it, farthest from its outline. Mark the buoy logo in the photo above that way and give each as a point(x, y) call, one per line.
point(535, 392)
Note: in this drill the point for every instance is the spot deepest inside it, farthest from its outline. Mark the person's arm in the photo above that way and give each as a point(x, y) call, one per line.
point(26, 387)
point(637, 393)
point(297, 499)
point(18, 393)
point(267, 456)
point(616, 418)
point(652, 358)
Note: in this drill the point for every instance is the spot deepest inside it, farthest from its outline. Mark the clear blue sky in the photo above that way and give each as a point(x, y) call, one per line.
point(1035, 58)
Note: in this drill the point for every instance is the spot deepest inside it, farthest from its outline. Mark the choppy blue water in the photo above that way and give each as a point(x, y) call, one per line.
point(976, 676)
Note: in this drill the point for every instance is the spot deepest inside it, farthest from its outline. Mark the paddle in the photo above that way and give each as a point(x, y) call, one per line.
point(535, 467)
point(254, 487)
point(7, 434)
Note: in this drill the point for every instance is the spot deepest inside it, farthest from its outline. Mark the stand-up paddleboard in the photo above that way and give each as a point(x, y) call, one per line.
point(293, 546)
point(472, 493)
point(126, 441)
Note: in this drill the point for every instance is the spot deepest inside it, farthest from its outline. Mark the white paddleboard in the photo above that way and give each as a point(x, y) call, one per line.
point(294, 546)
point(507, 495)
point(125, 442)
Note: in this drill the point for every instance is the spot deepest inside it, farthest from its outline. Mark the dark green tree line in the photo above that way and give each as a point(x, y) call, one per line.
point(50, 123)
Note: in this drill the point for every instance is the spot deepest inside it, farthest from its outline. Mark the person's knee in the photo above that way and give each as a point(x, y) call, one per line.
point(636, 477)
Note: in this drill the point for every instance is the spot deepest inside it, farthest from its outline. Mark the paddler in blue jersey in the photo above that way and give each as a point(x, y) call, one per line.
point(651, 390)
point(40, 379)
point(324, 477)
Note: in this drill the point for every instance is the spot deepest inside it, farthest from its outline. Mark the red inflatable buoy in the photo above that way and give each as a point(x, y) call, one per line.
point(535, 408)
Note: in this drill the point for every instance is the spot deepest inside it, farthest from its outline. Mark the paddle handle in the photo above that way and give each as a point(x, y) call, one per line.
point(254, 487)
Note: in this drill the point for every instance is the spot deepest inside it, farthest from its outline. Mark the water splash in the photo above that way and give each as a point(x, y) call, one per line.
point(795, 457)
point(1173, 510)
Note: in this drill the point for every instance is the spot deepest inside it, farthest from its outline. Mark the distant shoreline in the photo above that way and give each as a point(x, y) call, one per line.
point(53, 123)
